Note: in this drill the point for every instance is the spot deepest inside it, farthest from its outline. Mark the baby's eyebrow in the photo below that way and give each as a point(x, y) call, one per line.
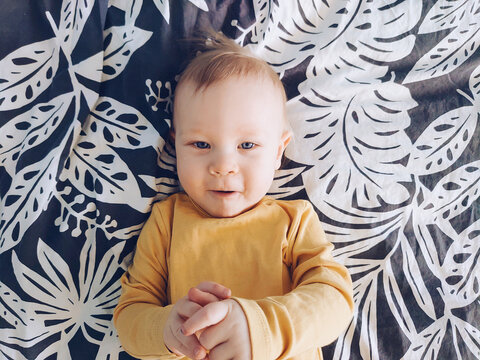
point(193, 132)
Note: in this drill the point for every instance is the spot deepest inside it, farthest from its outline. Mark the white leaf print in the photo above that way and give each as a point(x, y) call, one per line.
point(448, 54)
point(28, 130)
point(120, 42)
point(397, 306)
point(168, 156)
point(97, 171)
point(200, 4)
point(32, 186)
point(10, 353)
point(412, 273)
point(357, 146)
point(443, 141)
point(460, 268)
point(426, 345)
point(343, 345)
point(368, 332)
point(121, 125)
point(358, 241)
point(95, 168)
point(164, 8)
point(469, 335)
point(452, 194)
point(164, 186)
point(287, 34)
point(73, 17)
point(447, 14)
point(27, 72)
point(46, 290)
point(426, 241)
point(54, 265)
point(21, 317)
point(359, 266)
point(474, 84)
point(365, 293)
point(356, 54)
point(110, 347)
point(279, 189)
point(130, 7)
point(91, 68)
point(263, 10)
point(61, 308)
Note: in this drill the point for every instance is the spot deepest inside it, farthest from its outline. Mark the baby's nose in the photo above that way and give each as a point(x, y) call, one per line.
point(223, 165)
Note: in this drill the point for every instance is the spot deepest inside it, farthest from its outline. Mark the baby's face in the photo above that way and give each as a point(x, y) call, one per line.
point(229, 140)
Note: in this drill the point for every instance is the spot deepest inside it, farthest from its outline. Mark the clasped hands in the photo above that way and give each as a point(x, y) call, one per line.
point(207, 324)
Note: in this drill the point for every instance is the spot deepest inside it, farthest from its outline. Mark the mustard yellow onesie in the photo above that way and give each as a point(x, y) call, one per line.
point(274, 258)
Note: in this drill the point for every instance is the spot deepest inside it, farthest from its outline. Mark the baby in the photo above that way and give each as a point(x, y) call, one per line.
point(222, 271)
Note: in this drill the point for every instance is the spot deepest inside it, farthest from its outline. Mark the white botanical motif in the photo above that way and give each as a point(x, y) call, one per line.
point(95, 168)
point(73, 17)
point(280, 188)
point(360, 160)
point(19, 137)
point(63, 306)
point(155, 97)
point(164, 7)
point(27, 72)
point(461, 18)
point(119, 44)
point(356, 145)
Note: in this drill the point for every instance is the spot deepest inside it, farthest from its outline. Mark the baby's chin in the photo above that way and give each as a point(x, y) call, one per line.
point(228, 212)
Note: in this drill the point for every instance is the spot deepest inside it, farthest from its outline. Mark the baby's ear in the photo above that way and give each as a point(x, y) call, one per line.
point(284, 141)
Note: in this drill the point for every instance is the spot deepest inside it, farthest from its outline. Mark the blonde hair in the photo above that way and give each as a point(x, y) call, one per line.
point(222, 58)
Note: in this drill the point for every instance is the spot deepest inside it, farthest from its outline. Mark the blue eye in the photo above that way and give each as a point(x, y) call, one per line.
point(247, 145)
point(201, 145)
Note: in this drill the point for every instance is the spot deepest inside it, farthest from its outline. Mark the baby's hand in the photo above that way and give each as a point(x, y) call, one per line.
point(225, 330)
point(173, 337)
point(208, 292)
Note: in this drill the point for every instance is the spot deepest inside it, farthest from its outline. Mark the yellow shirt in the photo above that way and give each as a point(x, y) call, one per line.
point(274, 258)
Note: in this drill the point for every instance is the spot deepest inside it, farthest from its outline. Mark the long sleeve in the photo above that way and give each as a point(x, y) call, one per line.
point(143, 307)
point(319, 307)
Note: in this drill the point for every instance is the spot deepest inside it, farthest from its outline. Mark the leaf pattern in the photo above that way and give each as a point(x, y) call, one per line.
point(383, 103)
point(27, 72)
point(98, 171)
point(119, 45)
point(333, 132)
point(442, 143)
point(20, 208)
point(456, 47)
point(74, 15)
point(63, 307)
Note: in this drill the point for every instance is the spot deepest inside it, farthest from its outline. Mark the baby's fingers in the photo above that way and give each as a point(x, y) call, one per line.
point(200, 297)
point(186, 345)
point(216, 289)
point(209, 315)
point(186, 308)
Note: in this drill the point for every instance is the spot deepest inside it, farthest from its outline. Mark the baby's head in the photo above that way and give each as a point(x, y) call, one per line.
point(230, 128)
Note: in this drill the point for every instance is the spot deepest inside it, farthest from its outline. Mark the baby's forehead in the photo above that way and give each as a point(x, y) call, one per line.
point(239, 99)
point(190, 87)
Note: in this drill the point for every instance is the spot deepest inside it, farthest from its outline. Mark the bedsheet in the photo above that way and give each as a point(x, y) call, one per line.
point(384, 103)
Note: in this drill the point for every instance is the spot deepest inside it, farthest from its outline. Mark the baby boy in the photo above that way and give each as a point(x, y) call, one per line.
point(222, 271)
